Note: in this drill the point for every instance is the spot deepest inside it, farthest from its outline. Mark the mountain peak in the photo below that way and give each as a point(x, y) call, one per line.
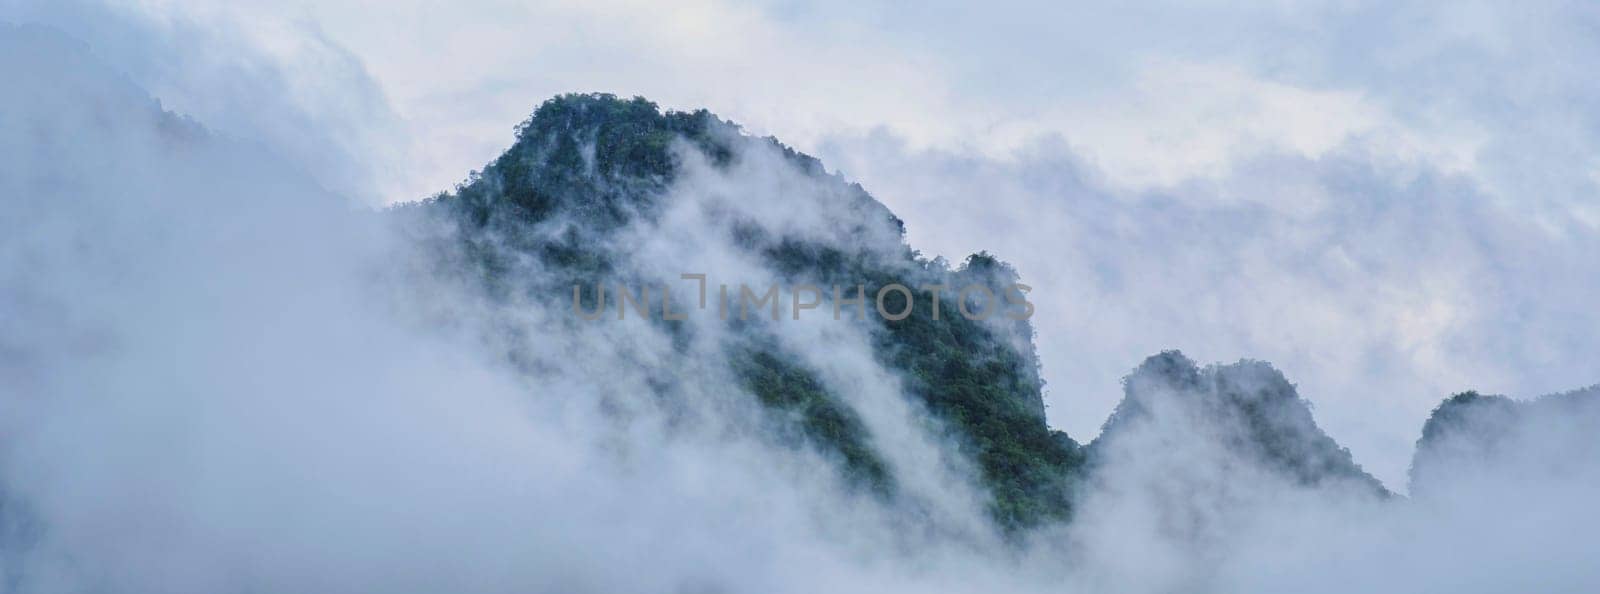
point(599, 190)
point(1247, 409)
point(1472, 437)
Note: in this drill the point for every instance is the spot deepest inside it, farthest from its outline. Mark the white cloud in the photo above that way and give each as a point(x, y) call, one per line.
point(1179, 121)
point(1380, 287)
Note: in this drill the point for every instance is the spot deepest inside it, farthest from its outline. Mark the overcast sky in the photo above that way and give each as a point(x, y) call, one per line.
point(1391, 201)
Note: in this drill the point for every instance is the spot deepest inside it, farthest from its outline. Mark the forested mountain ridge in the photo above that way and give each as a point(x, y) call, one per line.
point(589, 175)
point(585, 167)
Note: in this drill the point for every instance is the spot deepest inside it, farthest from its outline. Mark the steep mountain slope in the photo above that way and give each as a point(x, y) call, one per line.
point(593, 180)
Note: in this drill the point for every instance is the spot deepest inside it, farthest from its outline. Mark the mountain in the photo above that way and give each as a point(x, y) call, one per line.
point(573, 206)
point(1224, 416)
point(591, 179)
point(1472, 437)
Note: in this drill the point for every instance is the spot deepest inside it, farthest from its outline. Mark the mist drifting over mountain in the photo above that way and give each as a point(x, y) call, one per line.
point(232, 360)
